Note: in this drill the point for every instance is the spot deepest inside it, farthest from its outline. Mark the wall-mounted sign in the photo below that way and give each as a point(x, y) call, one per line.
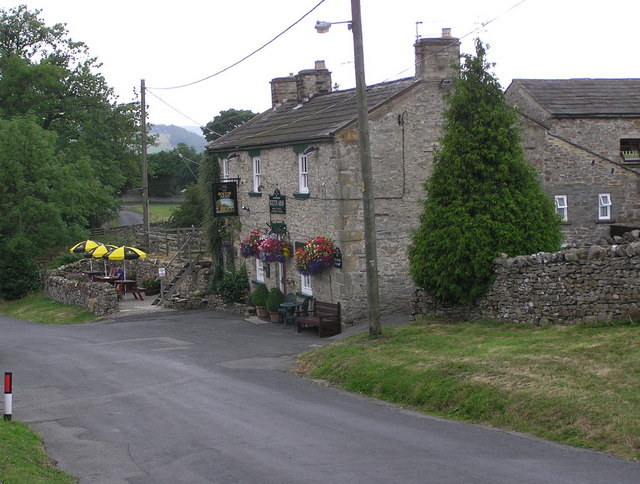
point(337, 259)
point(277, 202)
point(225, 199)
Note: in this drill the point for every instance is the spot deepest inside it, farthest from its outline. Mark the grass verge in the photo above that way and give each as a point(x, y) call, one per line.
point(36, 307)
point(158, 212)
point(576, 385)
point(22, 457)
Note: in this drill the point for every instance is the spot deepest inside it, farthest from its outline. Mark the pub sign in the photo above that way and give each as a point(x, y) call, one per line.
point(277, 202)
point(225, 199)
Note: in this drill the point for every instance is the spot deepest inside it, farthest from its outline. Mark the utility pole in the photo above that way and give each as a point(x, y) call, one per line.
point(364, 148)
point(145, 178)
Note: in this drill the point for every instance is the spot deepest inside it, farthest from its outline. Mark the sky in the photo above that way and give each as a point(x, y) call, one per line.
point(171, 43)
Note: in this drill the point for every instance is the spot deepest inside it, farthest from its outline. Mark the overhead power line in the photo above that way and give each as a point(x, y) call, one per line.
point(247, 56)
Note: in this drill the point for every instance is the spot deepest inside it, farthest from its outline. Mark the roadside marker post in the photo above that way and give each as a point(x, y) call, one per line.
point(8, 394)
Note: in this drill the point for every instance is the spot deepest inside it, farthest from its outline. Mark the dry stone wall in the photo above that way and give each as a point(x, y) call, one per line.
point(575, 285)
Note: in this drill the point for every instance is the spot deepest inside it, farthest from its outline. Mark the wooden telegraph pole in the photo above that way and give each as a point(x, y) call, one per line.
point(145, 178)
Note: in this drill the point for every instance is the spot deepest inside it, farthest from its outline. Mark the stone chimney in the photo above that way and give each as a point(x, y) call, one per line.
point(436, 58)
point(301, 87)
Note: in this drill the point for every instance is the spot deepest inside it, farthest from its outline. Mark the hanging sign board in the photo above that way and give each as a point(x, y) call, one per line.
point(277, 202)
point(225, 199)
point(337, 259)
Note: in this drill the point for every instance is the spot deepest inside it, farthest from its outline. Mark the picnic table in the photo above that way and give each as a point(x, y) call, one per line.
point(126, 286)
point(92, 274)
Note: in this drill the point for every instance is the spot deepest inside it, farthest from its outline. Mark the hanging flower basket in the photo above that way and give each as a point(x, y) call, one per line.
point(274, 250)
point(249, 246)
point(315, 256)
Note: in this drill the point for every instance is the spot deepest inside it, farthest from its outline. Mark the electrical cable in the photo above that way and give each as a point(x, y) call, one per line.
point(247, 56)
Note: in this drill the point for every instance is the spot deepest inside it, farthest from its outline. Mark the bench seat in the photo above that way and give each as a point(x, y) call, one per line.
point(325, 316)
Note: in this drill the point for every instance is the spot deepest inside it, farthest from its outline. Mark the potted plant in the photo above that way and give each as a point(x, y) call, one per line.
point(276, 297)
point(151, 286)
point(315, 256)
point(259, 300)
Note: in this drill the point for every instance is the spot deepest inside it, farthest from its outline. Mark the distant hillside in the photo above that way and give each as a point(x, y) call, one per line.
point(170, 136)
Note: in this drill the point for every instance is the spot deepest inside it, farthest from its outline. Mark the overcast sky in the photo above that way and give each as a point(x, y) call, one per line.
point(170, 43)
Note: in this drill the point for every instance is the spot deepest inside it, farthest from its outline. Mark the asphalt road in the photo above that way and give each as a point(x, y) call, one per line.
point(206, 397)
point(128, 217)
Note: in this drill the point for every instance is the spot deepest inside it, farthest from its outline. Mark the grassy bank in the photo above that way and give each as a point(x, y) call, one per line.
point(22, 457)
point(577, 385)
point(36, 307)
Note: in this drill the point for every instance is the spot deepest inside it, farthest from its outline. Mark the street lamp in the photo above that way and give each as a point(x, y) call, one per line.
point(364, 149)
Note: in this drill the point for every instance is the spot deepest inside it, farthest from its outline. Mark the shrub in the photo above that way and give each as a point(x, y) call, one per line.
point(276, 297)
point(18, 275)
point(260, 295)
point(234, 286)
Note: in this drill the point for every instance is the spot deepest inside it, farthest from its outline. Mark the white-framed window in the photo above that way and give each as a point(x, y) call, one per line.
point(604, 206)
point(561, 207)
point(259, 271)
point(226, 169)
point(303, 174)
point(305, 284)
point(256, 173)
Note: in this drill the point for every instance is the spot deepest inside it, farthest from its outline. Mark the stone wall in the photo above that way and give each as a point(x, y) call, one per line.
point(101, 298)
point(571, 286)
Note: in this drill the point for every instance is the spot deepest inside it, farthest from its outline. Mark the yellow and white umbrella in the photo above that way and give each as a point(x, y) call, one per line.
point(84, 247)
point(125, 253)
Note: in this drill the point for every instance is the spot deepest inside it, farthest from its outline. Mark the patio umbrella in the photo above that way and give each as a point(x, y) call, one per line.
point(99, 252)
point(125, 253)
point(84, 247)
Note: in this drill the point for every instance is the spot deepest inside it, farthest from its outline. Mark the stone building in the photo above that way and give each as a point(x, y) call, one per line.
point(583, 136)
point(305, 150)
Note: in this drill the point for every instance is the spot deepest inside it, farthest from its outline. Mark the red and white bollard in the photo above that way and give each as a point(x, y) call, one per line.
point(8, 394)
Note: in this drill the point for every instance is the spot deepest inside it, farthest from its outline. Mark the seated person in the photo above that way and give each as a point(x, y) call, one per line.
point(117, 272)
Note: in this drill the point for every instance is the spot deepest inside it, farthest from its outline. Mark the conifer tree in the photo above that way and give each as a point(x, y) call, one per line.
point(482, 198)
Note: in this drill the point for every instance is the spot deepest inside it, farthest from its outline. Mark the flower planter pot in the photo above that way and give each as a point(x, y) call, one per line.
point(275, 317)
point(261, 311)
point(151, 291)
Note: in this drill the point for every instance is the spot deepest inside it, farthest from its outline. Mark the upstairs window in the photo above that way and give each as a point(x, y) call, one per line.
point(256, 174)
point(604, 206)
point(561, 207)
point(630, 150)
point(226, 169)
point(303, 174)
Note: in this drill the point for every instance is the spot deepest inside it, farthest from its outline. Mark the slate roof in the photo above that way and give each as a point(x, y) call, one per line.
point(585, 97)
point(315, 120)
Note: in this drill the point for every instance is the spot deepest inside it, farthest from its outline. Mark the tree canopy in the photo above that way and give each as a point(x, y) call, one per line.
point(67, 146)
point(170, 172)
point(482, 198)
point(225, 122)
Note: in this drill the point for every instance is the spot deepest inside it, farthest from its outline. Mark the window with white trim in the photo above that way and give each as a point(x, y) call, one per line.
point(226, 169)
point(259, 271)
point(561, 207)
point(604, 206)
point(303, 174)
point(256, 173)
point(305, 284)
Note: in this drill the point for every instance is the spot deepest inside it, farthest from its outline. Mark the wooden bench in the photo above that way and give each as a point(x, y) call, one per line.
point(326, 316)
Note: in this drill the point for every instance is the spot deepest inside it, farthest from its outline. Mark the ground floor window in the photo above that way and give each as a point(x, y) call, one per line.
point(561, 207)
point(604, 206)
point(259, 270)
point(305, 284)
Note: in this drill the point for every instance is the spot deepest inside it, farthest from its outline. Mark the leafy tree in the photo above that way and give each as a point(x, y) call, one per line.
point(225, 122)
point(483, 198)
point(191, 211)
point(52, 78)
point(172, 171)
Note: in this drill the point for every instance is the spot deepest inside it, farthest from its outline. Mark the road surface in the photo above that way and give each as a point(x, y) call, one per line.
point(207, 397)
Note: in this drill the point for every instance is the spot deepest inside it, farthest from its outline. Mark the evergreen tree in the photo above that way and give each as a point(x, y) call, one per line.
point(483, 198)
